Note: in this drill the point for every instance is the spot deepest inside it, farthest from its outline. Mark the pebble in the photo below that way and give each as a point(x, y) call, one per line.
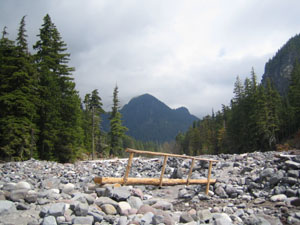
point(252, 188)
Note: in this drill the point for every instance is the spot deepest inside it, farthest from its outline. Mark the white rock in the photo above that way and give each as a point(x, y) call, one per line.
point(278, 198)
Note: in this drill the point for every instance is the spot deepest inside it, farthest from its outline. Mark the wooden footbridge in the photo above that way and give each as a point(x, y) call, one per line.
point(159, 181)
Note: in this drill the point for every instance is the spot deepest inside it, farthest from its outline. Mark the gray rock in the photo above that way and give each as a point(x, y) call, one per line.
point(293, 173)
point(81, 209)
point(222, 219)
point(231, 191)
point(292, 165)
point(49, 220)
point(204, 214)
point(57, 209)
point(23, 185)
point(185, 218)
point(146, 208)
point(31, 196)
point(51, 183)
point(105, 200)
point(135, 202)
point(163, 205)
point(9, 186)
point(68, 188)
point(266, 173)
point(123, 208)
point(221, 192)
point(278, 198)
point(7, 207)
point(87, 220)
point(118, 193)
point(122, 220)
point(147, 218)
point(109, 209)
point(18, 194)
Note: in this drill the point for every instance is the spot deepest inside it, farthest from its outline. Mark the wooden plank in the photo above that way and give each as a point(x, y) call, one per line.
point(208, 178)
point(149, 181)
point(190, 172)
point(163, 171)
point(128, 167)
point(168, 154)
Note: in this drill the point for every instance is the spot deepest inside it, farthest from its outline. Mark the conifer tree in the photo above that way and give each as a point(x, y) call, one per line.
point(59, 109)
point(294, 94)
point(93, 109)
point(117, 131)
point(18, 97)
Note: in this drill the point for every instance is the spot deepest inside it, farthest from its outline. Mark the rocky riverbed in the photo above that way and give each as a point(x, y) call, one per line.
point(253, 188)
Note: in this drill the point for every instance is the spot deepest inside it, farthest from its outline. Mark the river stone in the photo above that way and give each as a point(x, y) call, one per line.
point(105, 200)
point(123, 208)
point(268, 172)
point(221, 192)
point(49, 220)
point(109, 209)
point(222, 219)
point(18, 194)
point(147, 218)
point(185, 218)
point(146, 208)
point(68, 188)
point(86, 220)
point(204, 214)
point(51, 183)
point(81, 209)
point(278, 198)
point(292, 165)
point(23, 185)
point(7, 207)
point(163, 205)
point(135, 202)
point(31, 196)
point(9, 186)
point(118, 194)
point(57, 209)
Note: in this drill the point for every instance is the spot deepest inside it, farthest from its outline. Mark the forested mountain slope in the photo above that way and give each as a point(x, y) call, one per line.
point(149, 119)
point(279, 68)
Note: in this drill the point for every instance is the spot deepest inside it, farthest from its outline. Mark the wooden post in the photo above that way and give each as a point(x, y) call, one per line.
point(190, 172)
point(208, 177)
point(128, 167)
point(163, 170)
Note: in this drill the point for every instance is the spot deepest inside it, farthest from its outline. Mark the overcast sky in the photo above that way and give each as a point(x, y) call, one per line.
point(185, 53)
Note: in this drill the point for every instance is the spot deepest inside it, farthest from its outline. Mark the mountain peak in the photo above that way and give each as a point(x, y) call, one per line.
point(149, 119)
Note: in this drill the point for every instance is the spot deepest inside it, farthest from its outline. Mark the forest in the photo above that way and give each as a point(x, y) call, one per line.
point(41, 113)
point(43, 117)
point(257, 119)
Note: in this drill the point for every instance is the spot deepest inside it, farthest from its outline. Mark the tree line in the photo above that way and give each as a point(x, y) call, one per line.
point(41, 113)
point(257, 119)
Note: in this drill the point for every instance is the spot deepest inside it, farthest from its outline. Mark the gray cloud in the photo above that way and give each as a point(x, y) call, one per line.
point(186, 53)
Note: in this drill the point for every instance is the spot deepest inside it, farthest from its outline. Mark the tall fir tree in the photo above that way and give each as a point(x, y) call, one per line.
point(294, 95)
point(117, 131)
point(60, 135)
point(17, 98)
point(93, 110)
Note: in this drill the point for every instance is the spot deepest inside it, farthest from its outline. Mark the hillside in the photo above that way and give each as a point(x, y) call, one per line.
point(279, 68)
point(149, 119)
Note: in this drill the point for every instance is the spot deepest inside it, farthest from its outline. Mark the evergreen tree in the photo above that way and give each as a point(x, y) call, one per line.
point(59, 108)
point(93, 108)
point(117, 131)
point(294, 95)
point(17, 98)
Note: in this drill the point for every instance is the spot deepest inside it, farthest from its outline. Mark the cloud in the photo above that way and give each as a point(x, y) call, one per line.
point(183, 52)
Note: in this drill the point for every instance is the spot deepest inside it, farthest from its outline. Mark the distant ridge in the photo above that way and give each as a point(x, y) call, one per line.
point(149, 119)
point(279, 68)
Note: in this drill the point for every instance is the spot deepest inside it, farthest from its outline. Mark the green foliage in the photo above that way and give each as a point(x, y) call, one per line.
point(17, 98)
point(251, 123)
point(60, 134)
point(92, 120)
point(117, 131)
